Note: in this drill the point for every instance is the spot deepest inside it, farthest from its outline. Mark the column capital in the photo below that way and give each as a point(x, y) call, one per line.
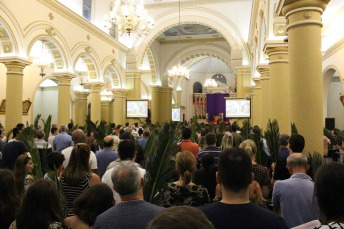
point(155, 87)
point(81, 95)
point(243, 70)
point(105, 103)
point(285, 6)
point(133, 74)
point(263, 69)
point(277, 51)
point(119, 92)
point(64, 78)
point(15, 64)
point(95, 86)
point(257, 81)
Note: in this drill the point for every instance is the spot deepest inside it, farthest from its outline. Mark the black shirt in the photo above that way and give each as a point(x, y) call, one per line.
point(10, 154)
point(206, 178)
point(242, 216)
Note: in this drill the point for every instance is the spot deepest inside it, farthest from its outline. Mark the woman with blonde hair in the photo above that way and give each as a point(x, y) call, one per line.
point(183, 191)
point(260, 173)
point(227, 141)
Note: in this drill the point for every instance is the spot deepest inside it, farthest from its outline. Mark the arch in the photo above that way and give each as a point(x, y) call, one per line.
point(152, 65)
point(327, 77)
point(192, 16)
point(113, 73)
point(145, 91)
point(9, 21)
point(91, 67)
point(111, 62)
point(197, 88)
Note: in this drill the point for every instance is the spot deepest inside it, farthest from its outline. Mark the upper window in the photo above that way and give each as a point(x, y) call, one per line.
point(197, 87)
point(220, 78)
point(87, 9)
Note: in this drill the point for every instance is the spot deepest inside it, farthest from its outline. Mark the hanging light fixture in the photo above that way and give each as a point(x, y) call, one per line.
point(210, 83)
point(81, 68)
point(43, 61)
point(179, 71)
point(129, 18)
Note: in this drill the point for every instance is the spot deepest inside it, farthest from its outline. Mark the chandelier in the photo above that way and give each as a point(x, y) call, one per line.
point(106, 95)
point(43, 61)
point(179, 71)
point(129, 18)
point(209, 83)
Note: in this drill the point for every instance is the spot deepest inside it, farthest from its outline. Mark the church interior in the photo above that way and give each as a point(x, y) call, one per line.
point(68, 59)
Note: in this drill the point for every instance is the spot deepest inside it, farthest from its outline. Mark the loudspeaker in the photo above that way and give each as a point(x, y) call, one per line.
point(329, 123)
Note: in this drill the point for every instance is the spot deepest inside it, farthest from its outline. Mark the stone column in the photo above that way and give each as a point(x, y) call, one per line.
point(179, 98)
point(162, 105)
point(111, 112)
point(14, 89)
point(304, 25)
point(80, 107)
point(155, 112)
point(265, 96)
point(279, 84)
point(133, 84)
point(243, 81)
point(95, 100)
point(105, 110)
point(119, 112)
point(257, 103)
point(64, 112)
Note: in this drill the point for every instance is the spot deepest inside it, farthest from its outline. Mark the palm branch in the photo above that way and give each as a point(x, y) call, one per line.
point(293, 128)
point(261, 157)
point(110, 126)
point(317, 160)
point(46, 128)
point(35, 122)
point(160, 165)
point(194, 128)
point(27, 136)
point(246, 129)
point(272, 137)
point(211, 128)
point(340, 134)
point(98, 131)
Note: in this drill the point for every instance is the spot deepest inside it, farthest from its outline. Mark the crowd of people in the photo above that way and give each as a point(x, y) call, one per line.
point(218, 183)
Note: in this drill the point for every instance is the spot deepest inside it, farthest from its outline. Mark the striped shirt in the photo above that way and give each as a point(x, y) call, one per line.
point(70, 192)
point(213, 150)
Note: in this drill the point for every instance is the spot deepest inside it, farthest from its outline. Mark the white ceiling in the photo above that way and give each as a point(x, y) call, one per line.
point(217, 66)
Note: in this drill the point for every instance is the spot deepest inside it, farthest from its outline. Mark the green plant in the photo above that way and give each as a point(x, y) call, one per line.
point(46, 128)
point(261, 157)
point(272, 137)
point(35, 122)
point(293, 128)
point(194, 126)
point(340, 134)
point(328, 134)
point(317, 160)
point(246, 129)
point(160, 163)
point(99, 131)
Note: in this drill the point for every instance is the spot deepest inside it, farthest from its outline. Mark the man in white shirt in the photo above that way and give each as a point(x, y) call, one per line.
point(54, 131)
point(126, 152)
point(78, 136)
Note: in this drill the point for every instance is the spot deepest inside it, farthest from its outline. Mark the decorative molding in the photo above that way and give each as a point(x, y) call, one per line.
point(188, 3)
point(64, 11)
point(202, 40)
point(51, 32)
point(278, 61)
point(306, 14)
point(333, 49)
point(313, 22)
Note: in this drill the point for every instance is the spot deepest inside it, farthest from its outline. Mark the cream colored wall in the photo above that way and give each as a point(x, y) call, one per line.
point(335, 109)
point(46, 103)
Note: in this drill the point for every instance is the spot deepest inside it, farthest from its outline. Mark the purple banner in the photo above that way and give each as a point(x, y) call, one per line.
point(216, 104)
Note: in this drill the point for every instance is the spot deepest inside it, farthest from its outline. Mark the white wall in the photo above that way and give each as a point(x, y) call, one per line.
point(45, 103)
point(335, 109)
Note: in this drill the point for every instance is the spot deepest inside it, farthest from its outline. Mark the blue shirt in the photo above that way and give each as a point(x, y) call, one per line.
point(283, 153)
point(143, 142)
point(104, 158)
point(213, 150)
point(296, 198)
point(62, 141)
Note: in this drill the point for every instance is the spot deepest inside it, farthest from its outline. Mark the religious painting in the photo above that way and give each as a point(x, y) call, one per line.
point(3, 106)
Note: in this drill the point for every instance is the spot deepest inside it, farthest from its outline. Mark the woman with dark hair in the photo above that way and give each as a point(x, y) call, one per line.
point(206, 176)
point(183, 191)
point(329, 186)
point(9, 199)
point(89, 205)
point(22, 177)
point(77, 176)
point(40, 208)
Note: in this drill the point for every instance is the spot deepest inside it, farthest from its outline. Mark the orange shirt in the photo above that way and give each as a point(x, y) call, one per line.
point(187, 145)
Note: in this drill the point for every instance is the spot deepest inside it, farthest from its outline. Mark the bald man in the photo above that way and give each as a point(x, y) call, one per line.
point(106, 155)
point(78, 136)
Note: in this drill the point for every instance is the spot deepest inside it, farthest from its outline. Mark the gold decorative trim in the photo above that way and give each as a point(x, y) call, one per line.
point(304, 9)
point(204, 40)
point(314, 22)
point(278, 61)
point(188, 3)
point(83, 23)
point(333, 49)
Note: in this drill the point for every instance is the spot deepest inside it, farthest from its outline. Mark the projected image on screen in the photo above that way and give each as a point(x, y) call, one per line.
point(176, 114)
point(137, 108)
point(238, 108)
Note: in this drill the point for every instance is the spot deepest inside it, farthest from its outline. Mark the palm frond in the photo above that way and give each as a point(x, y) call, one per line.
point(35, 122)
point(160, 165)
point(246, 129)
point(211, 128)
point(46, 128)
point(194, 128)
point(272, 137)
point(293, 128)
point(261, 157)
point(110, 126)
point(317, 160)
point(27, 136)
point(98, 131)
point(340, 134)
